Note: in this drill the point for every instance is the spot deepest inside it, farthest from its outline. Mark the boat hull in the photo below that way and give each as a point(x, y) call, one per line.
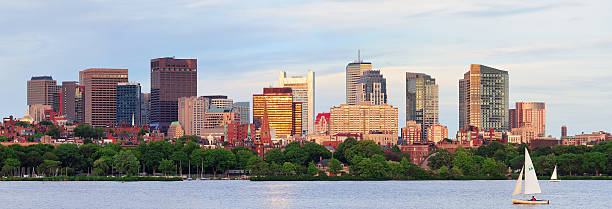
point(529, 202)
point(555, 180)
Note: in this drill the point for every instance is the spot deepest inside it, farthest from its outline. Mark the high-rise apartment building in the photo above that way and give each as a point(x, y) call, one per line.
point(69, 99)
point(79, 107)
point(44, 90)
point(222, 103)
point(170, 79)
point(128, 103)
point(563, 131)
point(302, 89)
point(219, 117)
point(421, 100)
point(437, 133)
point(483, 99)
point(283, 115)
point(412, 132)
point(191, 112)
point(244, 109)
point(529, 114)
point(372, 88)
point(145, 106)
point(363, 119)
point(354, 70)
point(101, 94)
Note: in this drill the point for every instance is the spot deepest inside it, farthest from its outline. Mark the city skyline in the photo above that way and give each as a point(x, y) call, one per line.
point(538, 66)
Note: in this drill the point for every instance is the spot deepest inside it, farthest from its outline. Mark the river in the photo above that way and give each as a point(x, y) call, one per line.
point(316, 194)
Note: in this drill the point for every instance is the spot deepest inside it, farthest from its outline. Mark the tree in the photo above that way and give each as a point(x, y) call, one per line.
point(101, 166)
point(569, 163)
point(49, 166)
point(167, 167)
point(220, 160)
point(594, 161)
point(441, 157)
point(257, 166)
point(312, 169)
point(53, 131)
point(443, 171)
point(191, 138)
point(45, 123)
point(10, 165)
point(68, 154)
point(288, 168)
point(489, 167)
point(179, 157)
point(464, 162)
point(342, 147)
point(274, 156)
point(334, 166)
point(126, 162)
point(242, 158)
point(546, 164)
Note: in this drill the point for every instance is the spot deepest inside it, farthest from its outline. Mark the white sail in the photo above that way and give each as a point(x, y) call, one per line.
point(531, 179)
point(554, 174)
point(519, 184)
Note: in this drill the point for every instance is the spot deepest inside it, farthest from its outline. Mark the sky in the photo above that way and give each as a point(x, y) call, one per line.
point(556, 51)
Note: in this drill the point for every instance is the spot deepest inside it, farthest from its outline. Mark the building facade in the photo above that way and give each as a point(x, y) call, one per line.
point(44, 90)
point(170, 79)
point(128, 103)
point(421, 100)
point(354, 70)
point(322, 124)
point(244, 109)
point(219, 117)
point(69, 103)
point(283, 115)
point(101, 94)
point(372, 88)
point(302, 89)
point(437, 133)
point(483, 99)
point(363, 119)
point(529, 114)
point(191, 113)
point(145, 106)
point(412, 132)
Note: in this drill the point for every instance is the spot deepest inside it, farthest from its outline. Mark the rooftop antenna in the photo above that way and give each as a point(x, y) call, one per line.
point(359, 55)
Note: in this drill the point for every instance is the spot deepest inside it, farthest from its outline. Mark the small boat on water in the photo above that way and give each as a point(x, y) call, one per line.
point(531, 183)
point(553, 178)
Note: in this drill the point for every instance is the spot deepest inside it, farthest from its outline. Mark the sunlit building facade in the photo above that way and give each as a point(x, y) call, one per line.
point(45, 91)
point(302, 89)
point(101, 94)
point(436, 133)
point(372, 88)
point(191, 113)
point(483, 99)
point(283, 115)
point(244, 109)
point(529, 114)
point(354, 70)
point(412, 132)
point(363, 119)
point(421, 100)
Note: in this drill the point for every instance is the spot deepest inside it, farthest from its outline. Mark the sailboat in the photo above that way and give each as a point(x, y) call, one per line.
point(531, 183)
point(553, 178)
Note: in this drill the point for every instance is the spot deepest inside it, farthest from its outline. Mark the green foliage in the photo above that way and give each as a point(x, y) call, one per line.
point(596, 161)
point(288, 168)
point(334, 166)
point(274, 156)
point(242, 158)
point(126, 162)
point(220, 160)
point(53, 131)
point(441, 157)
point(167, 167)
point(257, 166)
point(101, 166)
point(45, 123)
point(465, 163)
point(312, 169)
point(489, 168)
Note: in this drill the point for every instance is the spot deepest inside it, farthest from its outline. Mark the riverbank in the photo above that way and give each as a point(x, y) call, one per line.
point(93, 178)
point(361, 178)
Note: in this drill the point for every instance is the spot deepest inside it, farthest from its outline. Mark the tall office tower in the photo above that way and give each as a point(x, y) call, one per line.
point(219, 117)
point(170, 79)
point(363, 119)
point(529, 114)
point(128, 103)
point(101, 94)
point(302, 89)
point(43, 90)
point(354, 70)
point(222, 103)
point(79, 107)
point(283, 115)
point(244, 109)
point(421, 100)
point(145, 105)
point(563, 131)
point(372, 88)
point(191, 114)
point(69, 94)
point(483, 99)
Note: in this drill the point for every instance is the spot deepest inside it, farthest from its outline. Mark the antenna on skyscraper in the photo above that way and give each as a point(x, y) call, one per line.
point(359, 55)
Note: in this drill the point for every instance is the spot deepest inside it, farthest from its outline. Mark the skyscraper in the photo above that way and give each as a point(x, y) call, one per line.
point(372, 88)
point(191, 113)
point(529, 114)
point(244, 109)
point(69, 100)
point(354, 70)
point(421, 100)
point(44, 90)
point(170, 79)
point(563, 131)
point(145, 106)
point(483, 99)
point(101, 94)
point(283, 115)
point(128, 103)
point(79, 107)
point(302, 89)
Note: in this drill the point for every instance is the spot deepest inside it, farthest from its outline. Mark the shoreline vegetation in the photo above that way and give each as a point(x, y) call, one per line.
point(93, 178)
point(352, 160)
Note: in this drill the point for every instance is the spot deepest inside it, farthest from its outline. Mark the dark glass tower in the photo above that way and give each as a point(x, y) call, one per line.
point(128, 103)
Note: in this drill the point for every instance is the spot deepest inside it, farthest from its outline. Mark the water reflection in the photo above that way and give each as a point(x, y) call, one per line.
point(277, 195)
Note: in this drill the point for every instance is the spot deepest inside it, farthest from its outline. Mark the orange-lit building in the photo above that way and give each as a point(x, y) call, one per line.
point(284, 115)
point(363, 119)
point(437, 133)
point(411, 133)
point(529, 114)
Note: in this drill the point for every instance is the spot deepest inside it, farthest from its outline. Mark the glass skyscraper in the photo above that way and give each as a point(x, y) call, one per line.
point(483, 99)
point(421, 100)
point(128, 103)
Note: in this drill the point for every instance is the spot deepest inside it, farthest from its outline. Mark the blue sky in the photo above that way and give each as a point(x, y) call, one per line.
point(558, 52)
